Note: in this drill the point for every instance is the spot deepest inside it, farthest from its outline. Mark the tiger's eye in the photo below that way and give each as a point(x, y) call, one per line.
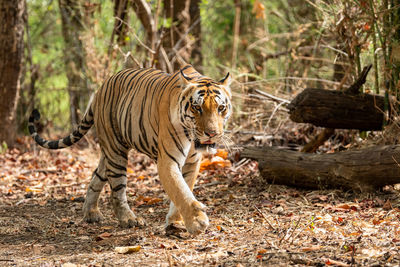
point(196, 108)
point(221, 108)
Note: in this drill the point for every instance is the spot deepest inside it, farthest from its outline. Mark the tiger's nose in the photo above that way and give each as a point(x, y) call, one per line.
point(210, 133)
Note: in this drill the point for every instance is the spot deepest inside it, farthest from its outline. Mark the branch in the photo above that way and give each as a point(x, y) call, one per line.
point(355, 87)
point(274, 98)
point(143, 11)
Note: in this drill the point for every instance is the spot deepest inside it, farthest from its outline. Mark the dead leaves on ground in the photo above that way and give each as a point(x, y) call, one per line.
point(219, 160)
point(251, 223)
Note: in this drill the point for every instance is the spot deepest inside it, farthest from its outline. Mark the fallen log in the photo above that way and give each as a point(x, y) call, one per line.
point(338, 110)
point(360, 170)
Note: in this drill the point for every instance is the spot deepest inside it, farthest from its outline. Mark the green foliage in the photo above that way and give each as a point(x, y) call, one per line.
point(47, 50)
point(217, 32)
point(3, 147)
point(46, 45)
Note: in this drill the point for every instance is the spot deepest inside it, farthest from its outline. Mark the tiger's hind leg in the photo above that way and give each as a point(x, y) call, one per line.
point(189, 172)
point(116, 174)
point(91, 212)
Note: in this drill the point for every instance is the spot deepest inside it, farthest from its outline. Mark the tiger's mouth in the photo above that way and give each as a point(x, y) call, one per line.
point(205, 144)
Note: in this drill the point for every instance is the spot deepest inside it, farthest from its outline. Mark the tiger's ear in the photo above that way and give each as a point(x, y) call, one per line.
point(226, 81)
point(185, 80)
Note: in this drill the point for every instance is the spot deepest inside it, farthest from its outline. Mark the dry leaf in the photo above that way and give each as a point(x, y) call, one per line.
point(147, 200)
point(127, 250)
point(262, 251)
point(103, 236)
point(222, 153)
point(387, 205)
point(312, 248)
point(334, 262)
point(343, 206)
point(214, 163)
point(32, 189)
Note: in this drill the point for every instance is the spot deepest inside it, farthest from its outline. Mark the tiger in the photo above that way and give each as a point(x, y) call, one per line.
point(172, 118)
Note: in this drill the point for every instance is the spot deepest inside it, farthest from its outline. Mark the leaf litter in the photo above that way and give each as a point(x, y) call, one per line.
point(251, 223)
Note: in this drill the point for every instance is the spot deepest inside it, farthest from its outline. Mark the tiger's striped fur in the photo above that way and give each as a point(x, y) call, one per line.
point(170, 118)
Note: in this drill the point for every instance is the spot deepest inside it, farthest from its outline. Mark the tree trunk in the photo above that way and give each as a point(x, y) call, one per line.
point(178, 12)
point(196, 55)
point(336, 109)
point(121, 15)
point(74, 56)
point(236, 32)
point(11, 55)
point(364, 169)
point(143, 12)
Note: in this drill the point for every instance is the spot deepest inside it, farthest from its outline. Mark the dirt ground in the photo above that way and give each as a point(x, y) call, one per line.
point(251, 223)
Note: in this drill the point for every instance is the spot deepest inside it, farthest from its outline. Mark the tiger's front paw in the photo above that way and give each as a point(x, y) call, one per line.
point(92, 215)
point(128, 219)
point(197, 221)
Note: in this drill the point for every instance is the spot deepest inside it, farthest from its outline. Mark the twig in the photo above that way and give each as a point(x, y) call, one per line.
point(283, 237)
point(137, 38)
point(167, 62)
point(244, 132)
point(40, 170)
point(168, 256)
point(158, 47)
point(205, 259)
point(241, 163)
point(306, 225)
point(209, 184)
point(396, 161)
point(265, 218)
point(286, 78)
point(63, 185)
point(295, 228)
point(182, 37)
point(182, 62)
point(275, 98)
point(272, 114)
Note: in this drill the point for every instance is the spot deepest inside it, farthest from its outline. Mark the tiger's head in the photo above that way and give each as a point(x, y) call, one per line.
point(205, 106)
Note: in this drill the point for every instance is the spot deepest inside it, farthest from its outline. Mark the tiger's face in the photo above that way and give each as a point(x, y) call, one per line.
point(205, 108)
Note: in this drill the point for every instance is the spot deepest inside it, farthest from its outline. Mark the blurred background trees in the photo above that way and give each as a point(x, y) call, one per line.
point(12, 19)
point(279, 47)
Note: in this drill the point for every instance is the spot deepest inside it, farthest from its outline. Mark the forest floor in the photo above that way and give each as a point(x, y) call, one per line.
point(251, 222)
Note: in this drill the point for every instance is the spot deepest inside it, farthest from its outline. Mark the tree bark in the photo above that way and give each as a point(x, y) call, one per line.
point(143, 11)
point(336, 109)
point(11, 55)
point(178, 12)
point(74, 56)
point(236, 32)
point(122, 16)
point(196, 55)
point(363, 169)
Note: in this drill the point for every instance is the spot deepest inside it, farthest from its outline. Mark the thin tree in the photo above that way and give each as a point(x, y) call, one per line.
point(74, 55)
point(121, 14)
point(179, 41)
point(11, 55)
point(196, 55)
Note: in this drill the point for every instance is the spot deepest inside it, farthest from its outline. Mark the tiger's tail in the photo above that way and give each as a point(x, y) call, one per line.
point(83, 127)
